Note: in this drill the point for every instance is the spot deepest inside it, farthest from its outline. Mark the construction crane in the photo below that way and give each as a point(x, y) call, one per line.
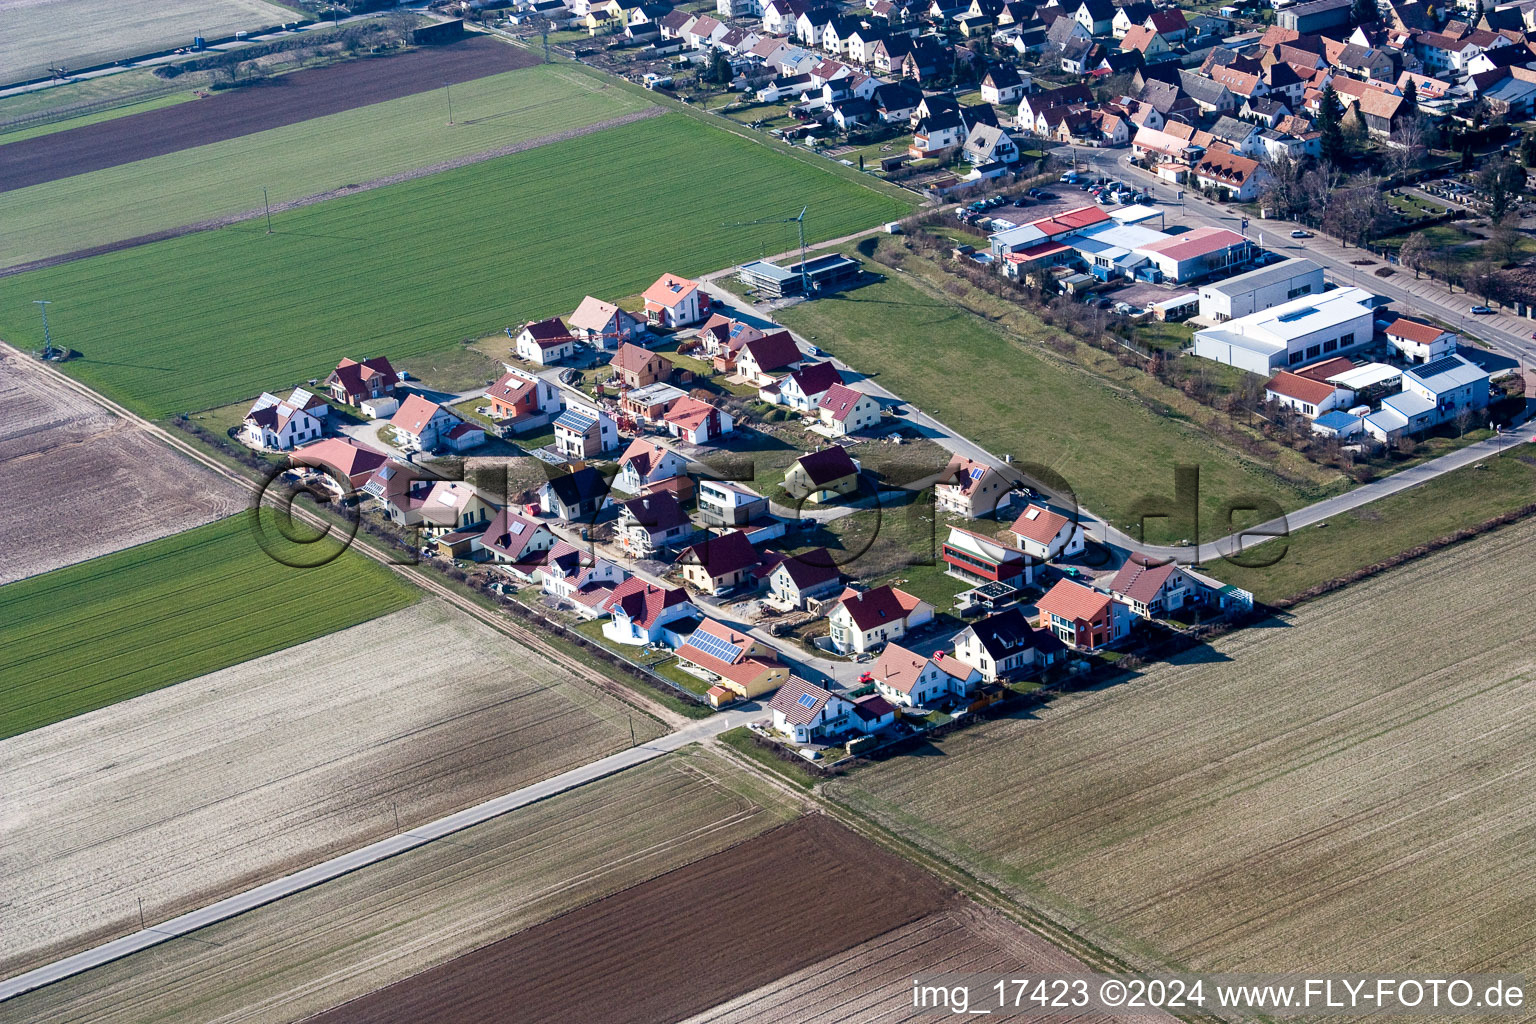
point(799, 222)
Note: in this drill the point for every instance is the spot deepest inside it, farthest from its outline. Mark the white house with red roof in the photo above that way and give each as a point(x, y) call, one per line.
point(347, 460)
point(603, 324)
point(283, 425)
point(802, 389)
point(545, 342)
point(909, 679)
point(1044, 534)
point(844, 411)
point(646, 462)
point(353, 382)
point(1306, 395)
point(697, 422)
point(720, 562)
point(741, 667)
point(585, 580)
point(675, 302)
point(522, 400)
point(863, 621)
point(801, 578)
point(1420, 342)
point(641, 613)
point(517, 541)
point(970, 488)
point(428, 426)
point(807, 714)
point(763, 360)
point(1151, 588)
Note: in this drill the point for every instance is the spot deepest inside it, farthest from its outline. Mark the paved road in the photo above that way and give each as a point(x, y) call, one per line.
point(372, 854)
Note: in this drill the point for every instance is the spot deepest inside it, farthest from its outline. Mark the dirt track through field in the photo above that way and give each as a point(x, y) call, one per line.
point(213, 223)
point(679, 944)
point(286, 99)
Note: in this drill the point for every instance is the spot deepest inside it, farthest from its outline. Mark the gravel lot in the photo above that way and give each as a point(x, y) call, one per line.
point(184, 795)
point(77, 482)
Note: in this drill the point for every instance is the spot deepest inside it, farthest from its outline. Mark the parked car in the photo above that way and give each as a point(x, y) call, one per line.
point(1299, 233)
point(1021, 201)
point(1036, 193)
point(1480, 311)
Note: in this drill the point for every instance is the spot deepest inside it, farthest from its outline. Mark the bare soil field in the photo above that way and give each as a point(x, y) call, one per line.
point(286, 99)
point(77, 482)
point(189, 793)
point(678, 944)
point(80, 33)
point(1348, 788)
point(873, 980)
point(350, 936)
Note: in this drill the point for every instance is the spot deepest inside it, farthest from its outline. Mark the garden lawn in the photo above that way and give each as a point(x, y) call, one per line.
point(92, 634)
point(414, 268)
point(303, 159)
point(1007, 396)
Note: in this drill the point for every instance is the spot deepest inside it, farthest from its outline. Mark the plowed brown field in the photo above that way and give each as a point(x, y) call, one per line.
point(286, 99)
point(679, 944)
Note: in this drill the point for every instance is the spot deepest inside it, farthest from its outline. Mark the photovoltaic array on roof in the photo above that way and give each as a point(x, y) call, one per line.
point(1437, 366)
point(806, 700)
point(578, 420)
point(714, 646)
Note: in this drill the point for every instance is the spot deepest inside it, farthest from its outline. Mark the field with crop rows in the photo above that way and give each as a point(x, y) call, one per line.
point(98, 632)
point(77, 482)
point(1350, 786)
point(79, 33)
point(199, 789)
point(210, 318)
point(393, 919)
point(297, 160)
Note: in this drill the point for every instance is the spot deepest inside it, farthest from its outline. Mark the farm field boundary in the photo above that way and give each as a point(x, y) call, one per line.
point(829, 890)
point(391, 920)
point(1258, 804)
point(436, 255)
point(320, 197)
point(283, 100)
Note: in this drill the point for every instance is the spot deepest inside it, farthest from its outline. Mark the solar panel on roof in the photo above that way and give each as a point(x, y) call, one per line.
point(714, 646)
point(1441, 365)
point(806, 700)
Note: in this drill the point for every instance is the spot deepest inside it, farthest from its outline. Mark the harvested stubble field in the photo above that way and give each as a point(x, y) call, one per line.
point(1350, 786)
point(432, 256)
point(80, 33)
point(199, 790)
point(216, 179)
point(77, 482)
point(678, 944)
point(873, 980)
point(387, 922)
point(92, 634)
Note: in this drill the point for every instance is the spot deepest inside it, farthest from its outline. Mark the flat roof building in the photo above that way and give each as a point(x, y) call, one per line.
point(826, 272)
point(1293, 333)
point(1259, 289)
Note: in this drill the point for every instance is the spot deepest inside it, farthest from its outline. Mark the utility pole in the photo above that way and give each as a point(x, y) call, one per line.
point(42, 306)
point(268, 207)
point(142, 926)
point(449, 87)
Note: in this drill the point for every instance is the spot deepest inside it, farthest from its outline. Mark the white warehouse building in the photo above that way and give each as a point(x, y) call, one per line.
point(1260, 289)
point(1293, 333)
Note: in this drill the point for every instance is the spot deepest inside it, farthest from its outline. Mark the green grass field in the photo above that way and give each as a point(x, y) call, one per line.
point(102, 631)
point(303, 159)
point(1014, 400)
point(415, 268)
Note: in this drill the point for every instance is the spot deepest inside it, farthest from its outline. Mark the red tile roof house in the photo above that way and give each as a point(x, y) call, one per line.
point(1309, 397)
point(797, 580)
point(638, 367)
point(1003, 645)
point(969, 488)
point(696, 422)
point(1045, 535)
point(545, 342)
point(349, 462)
point(845, 411)
point(278, 425)
point(720, 563)
point(583, 579)
point(1152, 588)
point(802, 389)
point(603, 324)
point(650, 523)
point(675, 302)
point(821, 476)
point(863, 621)
point(522, 401)
point(642, 613)
point(765, 359)
point(646, 462)
point(912, 680)
point(517, 542)
point(741, 667)
point(1083, 618)
point(1419, 342)
point(428, 426)
point(977, 558)
point(808, 714)
point(353, 383)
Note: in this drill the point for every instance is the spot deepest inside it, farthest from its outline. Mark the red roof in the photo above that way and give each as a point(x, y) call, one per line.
point(840, 400)
point(1037, 252)
point(510, 534)
point(877, 607)
point(1303, 389)
point(1415, 330)
point(722, 555)
point(643, 602)
point(343, 455)
point(548, 333)
point(776, 351)
point(1141, 578)
point(1072, 220)
point(1039, 524)
point(1327, 368)
point(1196, 243)
point(668, 291)
point(1073, 602)
point(351, 375)
point(688, 413)
point(827, 465)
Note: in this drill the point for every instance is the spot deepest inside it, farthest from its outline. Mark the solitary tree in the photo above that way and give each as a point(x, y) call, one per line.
point(1415, 253)
point(1330, 116)
point(1410, 99)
